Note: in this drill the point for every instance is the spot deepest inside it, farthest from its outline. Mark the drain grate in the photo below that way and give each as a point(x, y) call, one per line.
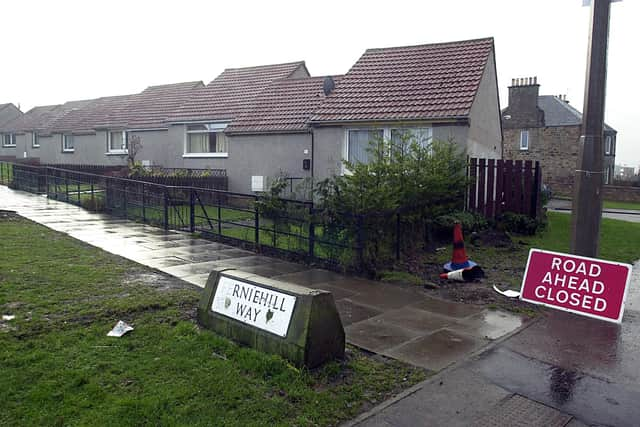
point(522, 412)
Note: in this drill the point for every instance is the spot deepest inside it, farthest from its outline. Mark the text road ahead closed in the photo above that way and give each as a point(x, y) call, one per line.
point(587, 286)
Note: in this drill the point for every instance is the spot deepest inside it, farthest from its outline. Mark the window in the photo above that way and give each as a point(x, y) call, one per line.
point(117, 142)
point(35, 140)
point(358, 140)
point(607, 175)
point(9, 140)
point(358, 144)
point(607, 144)
point(67, 144)
point(407, 136)
point(206, 140)
point(524, 140)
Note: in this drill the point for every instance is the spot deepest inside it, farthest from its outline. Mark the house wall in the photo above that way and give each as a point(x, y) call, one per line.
point(329, 144)
point(265, 155)
point(485, 131)
point(556, 148)
point(155, 146)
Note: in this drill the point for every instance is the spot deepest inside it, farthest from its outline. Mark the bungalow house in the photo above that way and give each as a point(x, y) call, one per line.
point(8, 112)
point(257, 122)
point(198, 136)
point(444, 91)
point(99, 133)
point(27, 131)
point(547, 129)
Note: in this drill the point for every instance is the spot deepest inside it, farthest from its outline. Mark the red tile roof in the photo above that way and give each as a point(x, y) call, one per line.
point(285, 105)
point(149, 109)
point(433, 81)
point(232, 91)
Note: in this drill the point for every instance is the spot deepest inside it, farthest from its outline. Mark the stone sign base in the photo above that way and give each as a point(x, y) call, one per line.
point(298, 323)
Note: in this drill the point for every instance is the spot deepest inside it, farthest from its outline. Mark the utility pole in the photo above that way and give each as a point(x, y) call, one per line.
point(587, 193)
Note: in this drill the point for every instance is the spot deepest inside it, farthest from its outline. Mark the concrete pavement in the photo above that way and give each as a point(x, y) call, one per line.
point(401, 322)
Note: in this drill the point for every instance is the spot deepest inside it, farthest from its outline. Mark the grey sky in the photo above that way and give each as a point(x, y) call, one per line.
point(55, 51)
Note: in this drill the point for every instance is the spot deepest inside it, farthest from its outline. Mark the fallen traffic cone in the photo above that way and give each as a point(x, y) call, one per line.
point(459, 260)
point(464, 274)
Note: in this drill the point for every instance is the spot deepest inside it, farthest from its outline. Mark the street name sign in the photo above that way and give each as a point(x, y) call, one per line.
point(254, 305)
point(300, 324)
point(586, 286)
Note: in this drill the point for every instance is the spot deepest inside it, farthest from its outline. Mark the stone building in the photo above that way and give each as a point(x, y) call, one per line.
point(547, 129)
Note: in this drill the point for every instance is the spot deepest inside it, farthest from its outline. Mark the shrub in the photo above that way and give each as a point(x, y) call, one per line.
point(95, 204)
point(403, 177)
point(470, 221)
point(519, 223)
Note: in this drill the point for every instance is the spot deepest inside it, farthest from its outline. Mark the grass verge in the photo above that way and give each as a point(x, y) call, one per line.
point(60, 368)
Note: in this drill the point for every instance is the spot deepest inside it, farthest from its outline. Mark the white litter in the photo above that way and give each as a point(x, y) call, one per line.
point(120, 329)
point(8, 317)
point(508, 293)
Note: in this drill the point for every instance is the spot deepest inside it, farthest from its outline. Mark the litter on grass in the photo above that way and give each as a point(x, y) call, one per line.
point(120, 329)
point(508, 293)
point(8, 317)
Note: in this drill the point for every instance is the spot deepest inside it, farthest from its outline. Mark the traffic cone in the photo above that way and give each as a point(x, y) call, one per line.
point(459, 260)
point(464, 274)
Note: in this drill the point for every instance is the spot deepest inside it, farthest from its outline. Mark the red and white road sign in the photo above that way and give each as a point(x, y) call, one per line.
point(587, 286)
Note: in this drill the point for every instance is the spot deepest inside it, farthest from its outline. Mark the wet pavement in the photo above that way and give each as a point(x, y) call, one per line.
point(563, 369)
point(397, 321)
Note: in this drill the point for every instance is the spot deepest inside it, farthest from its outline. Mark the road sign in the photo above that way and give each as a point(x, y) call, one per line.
point(586, 286)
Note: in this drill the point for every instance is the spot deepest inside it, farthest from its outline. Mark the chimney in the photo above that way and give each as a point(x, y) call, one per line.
point(523, 107)
point(328, 85)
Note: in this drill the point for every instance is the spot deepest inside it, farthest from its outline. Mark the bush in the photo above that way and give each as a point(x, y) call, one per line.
point(519, 223)
point(95, 205)
point(470, 221)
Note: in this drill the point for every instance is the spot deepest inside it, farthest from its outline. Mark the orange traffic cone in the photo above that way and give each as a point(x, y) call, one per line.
point(459, 260)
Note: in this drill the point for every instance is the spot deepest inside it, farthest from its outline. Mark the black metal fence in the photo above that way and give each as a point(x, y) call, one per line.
point(296, 231)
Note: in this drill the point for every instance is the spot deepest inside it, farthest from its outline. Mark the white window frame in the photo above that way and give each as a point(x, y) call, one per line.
point(64, 143)
point(386, 136)
point(211, 128)
point(524, 137)
point(608, 144)
point(35, 140)
point(125, 137)
point(12, 140)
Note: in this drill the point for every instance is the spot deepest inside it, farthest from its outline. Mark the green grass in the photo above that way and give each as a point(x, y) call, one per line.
point(59, 368)
point(619, 240)
point(621, 205)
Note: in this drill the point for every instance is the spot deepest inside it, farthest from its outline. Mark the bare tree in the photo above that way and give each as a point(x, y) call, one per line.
point(134, 147)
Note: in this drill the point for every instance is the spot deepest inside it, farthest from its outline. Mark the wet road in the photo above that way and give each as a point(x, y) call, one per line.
point(564, 206)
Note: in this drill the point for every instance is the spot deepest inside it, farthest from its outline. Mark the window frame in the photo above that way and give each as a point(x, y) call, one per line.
point(386, 135)
point(608, 145)
point(524, 132)
point(35, 140)
point(125, 139)
point(12, 140)
point(211, 127)
point(65, 137)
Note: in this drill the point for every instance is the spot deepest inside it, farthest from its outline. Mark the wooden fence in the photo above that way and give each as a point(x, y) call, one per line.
point(499, 186)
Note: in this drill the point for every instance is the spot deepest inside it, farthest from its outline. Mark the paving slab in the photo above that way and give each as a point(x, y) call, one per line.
point(490, 324)
point(416, 319)
point(447, 308)
point(310, 277)
point(385, 297)
point(352, 313)
point(437, 350)
point(378, 336)
point(338, 293)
